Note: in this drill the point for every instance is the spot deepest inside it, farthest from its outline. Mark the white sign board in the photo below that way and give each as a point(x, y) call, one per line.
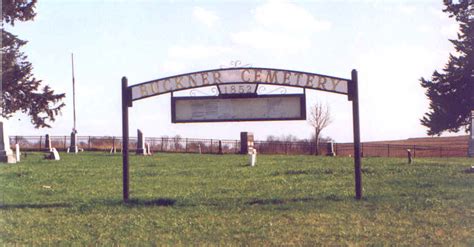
point(259, 108)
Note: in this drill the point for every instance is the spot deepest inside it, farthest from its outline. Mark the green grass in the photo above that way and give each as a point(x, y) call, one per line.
point(210, 199)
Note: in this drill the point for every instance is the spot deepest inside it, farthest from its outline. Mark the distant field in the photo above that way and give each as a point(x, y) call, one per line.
point(447, 141)
point(210, 199)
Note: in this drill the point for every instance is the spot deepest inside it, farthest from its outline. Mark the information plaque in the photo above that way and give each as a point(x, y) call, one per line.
point(253, 108)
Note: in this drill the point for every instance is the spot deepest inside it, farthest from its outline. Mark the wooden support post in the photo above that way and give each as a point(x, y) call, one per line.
point(354, 96)
point(125, 104)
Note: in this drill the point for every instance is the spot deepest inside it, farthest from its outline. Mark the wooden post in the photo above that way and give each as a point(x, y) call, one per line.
point(125, 104)
point(354, 96)
point(388, 150)
point(414, 151)
point(89, 143)
point(65, 140)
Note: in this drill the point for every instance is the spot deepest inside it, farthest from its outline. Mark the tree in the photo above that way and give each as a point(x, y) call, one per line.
point(319, 118)
point(21, 91)
point(451, 92)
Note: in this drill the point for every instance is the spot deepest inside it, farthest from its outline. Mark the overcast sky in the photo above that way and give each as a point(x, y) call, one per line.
point(391, 43)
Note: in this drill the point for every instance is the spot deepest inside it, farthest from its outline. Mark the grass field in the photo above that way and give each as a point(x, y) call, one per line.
point(210, 199)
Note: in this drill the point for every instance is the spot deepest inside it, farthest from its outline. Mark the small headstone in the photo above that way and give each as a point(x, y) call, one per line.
point(140, 143)
point(6, 153)
point(53, 155)
point(73, 147)
point(148, 148)
point(252, 156)
point(17, 152)
point(330, 149)
point(199, 148)
point(409, 156)
point(220, 147)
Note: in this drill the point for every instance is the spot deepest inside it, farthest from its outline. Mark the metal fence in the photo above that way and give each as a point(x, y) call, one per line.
point(211, 146)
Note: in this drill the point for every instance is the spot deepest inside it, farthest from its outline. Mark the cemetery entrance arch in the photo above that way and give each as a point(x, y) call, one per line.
point(241, 83)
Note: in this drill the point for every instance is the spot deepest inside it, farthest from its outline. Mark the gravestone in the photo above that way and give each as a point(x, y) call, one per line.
point(17, 152)
point(199, 148)
point(140, 143)
point(220, 148)
point(252, 156)
point(6, 153)
point(148, 148)
point(246, 142)
point(52, 155)
point(47, 143)
point(409, 156)
point(330, 149)
point(73, 144)
point(471, 136)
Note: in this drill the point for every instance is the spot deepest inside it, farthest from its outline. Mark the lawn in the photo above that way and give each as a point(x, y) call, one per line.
point(194, 199)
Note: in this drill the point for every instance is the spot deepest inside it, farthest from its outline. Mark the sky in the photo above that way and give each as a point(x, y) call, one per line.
point(392, 44)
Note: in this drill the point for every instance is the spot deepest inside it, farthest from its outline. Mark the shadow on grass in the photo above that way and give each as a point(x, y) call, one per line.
point(278, 201)
point(160, 202)
point(39, 206)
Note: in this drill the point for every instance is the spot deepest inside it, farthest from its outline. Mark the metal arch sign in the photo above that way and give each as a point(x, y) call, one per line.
point(240, 75)
point(247, 76)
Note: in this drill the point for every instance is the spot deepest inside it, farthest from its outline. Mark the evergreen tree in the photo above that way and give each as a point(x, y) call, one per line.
point(451, 92)
point(21, 91)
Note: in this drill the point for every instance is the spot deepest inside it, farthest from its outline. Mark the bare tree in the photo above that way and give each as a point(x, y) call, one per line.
point(319, 118)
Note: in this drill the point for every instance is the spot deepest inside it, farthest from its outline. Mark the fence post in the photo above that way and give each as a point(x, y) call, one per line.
point(90, 143)
point(414, 151)
point(162, 144)
point(64, 143)
point(41, 143)
point(388, 150)
point(186, 147)
point(211, 146)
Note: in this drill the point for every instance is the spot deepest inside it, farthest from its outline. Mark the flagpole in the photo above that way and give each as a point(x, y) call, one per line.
point(73, 94)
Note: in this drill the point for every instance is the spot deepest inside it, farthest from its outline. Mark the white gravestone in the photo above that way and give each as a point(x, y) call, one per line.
point(252, 156)
point(17, 152)
point(53, 155)
point(148, 149)
point(6, 153)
